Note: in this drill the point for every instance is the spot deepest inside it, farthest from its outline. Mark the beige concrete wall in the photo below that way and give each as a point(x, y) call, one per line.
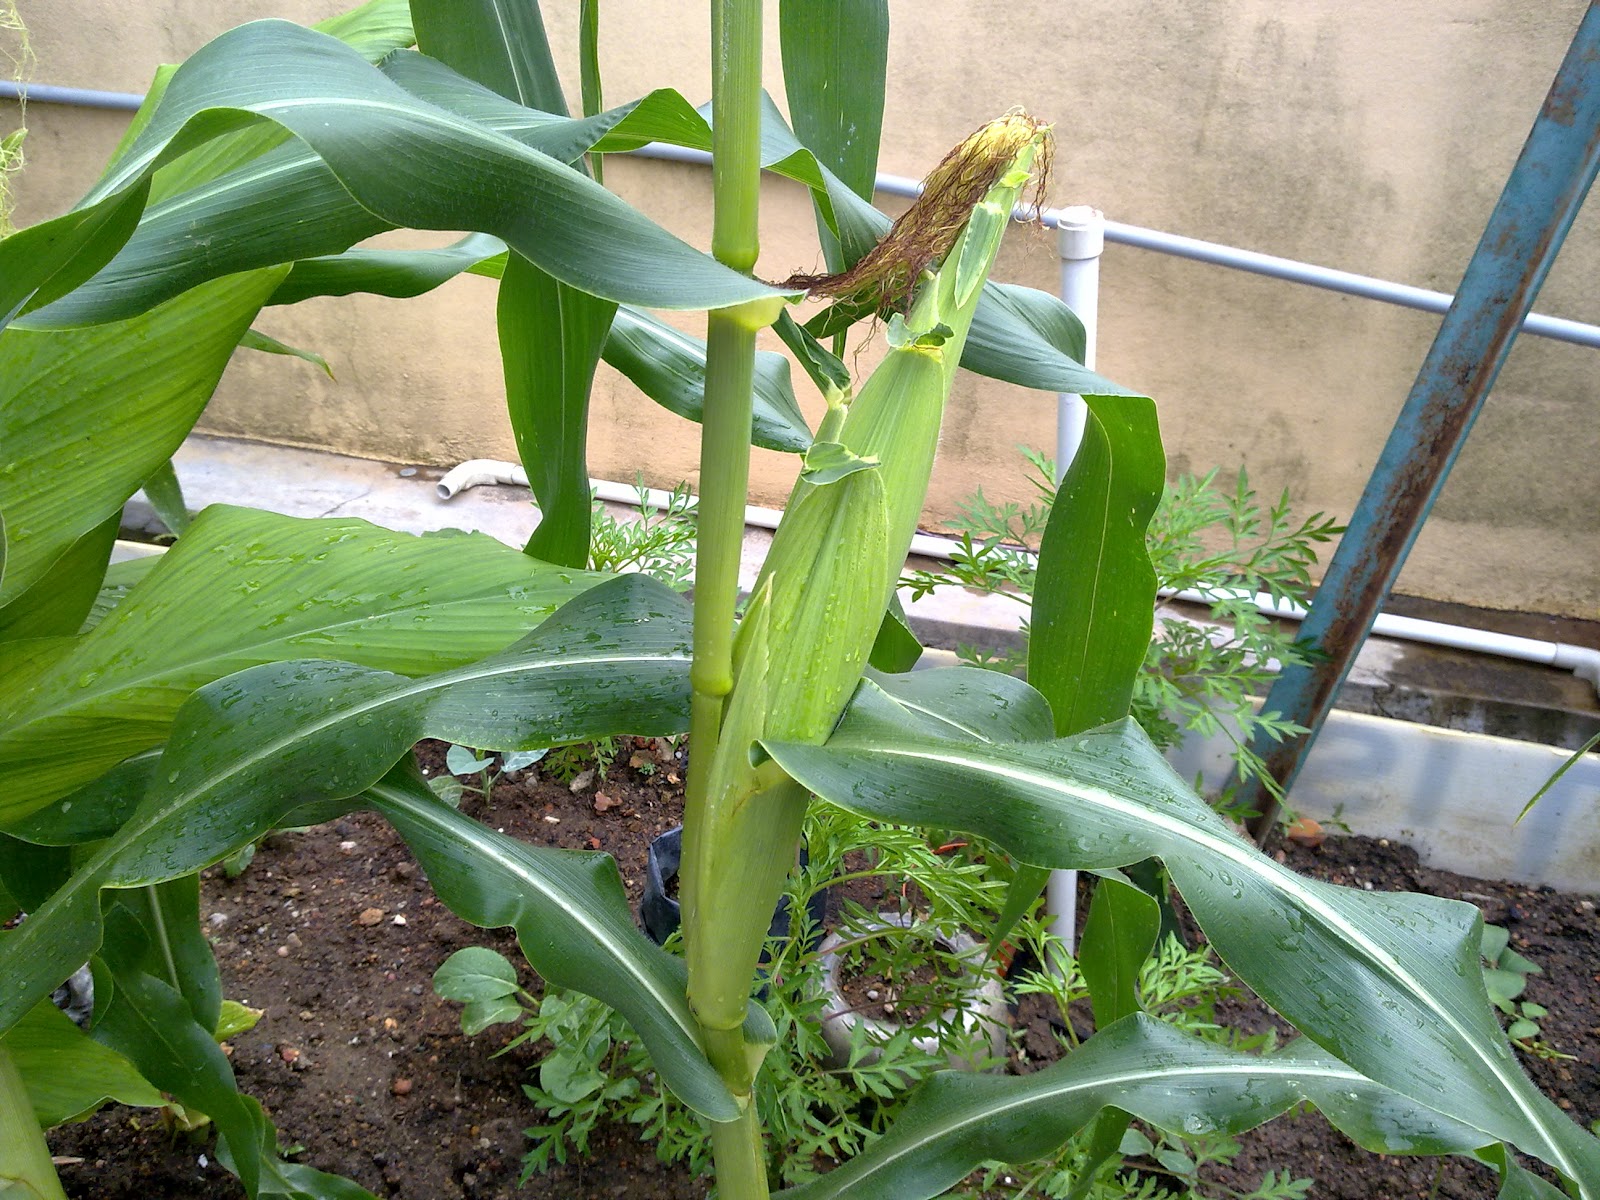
point(1372, 136)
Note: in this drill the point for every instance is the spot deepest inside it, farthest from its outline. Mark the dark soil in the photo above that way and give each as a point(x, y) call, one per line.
point(335, 933)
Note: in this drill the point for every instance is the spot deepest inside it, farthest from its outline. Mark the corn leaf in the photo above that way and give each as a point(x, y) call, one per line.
point(551, 336)
point(272, 588)
point(250, 749)
point(956, 1121)
point(67, 1073)
point(499, 43)
point(835, 57)
point(408, 162)
point(61, 600)
point(86, 416)
point(1094, 604)
point(573, 922)
point(1388, 983)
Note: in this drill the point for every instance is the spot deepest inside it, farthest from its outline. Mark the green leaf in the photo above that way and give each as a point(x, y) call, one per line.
point(670, 367)
point(573, 923)
point(955, 1121)
point(1094, 601)
point(114, 588)
point(500, 43)
point(1573, 760)
point(829, 462)
point(484, 983)
point(835, 55)
point(461, 761)
point(963, 703)
point(475, 973)
point(150, 1022)
point(409, 163)
point(69, 1075)
point(87, 416)
point(248, 750)
point(826, 369)
point(551, 337)
point(1117, 938)
point(235, 1018)
point(272, 588)
point(175, 949)
point(896, 649)
point(62, 599)
point(665, 364)
point(166, 496)
point(254, 339)
point(1389, 983)
point(589, 64)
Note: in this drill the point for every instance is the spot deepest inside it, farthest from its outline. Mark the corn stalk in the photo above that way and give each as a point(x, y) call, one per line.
point(830, 573)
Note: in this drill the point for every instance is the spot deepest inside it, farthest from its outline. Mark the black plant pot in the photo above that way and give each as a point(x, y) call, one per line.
point(659, 911)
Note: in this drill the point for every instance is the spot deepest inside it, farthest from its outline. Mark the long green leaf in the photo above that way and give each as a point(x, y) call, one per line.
point(374, 31)
point(572, 920)
point(165, 493)
point(666, 364)
point(271, 588)
point(1388, 983)
point(1117, 938)
point(551, 336)
point(408, 162)
point(67, 1074)
point(835, 60)
point(1094, 603)
point(957, 1121)
point(150, 1022)
point(60, 601)
point(86, 416)
point(550, 333)
point(500, 43)
point(669, 366)
point(249, 748)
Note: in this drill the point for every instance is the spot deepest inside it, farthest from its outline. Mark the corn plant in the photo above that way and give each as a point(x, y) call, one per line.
point(270, 672)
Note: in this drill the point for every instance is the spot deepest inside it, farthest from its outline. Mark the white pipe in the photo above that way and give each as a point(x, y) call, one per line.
point(1080, 240)
point(1346, 282)
point(1580, 660)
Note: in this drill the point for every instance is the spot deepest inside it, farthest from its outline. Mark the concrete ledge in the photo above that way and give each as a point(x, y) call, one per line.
point(1454, 796)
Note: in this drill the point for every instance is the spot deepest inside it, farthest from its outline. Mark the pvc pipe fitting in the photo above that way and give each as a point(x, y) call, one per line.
point(984, 1011)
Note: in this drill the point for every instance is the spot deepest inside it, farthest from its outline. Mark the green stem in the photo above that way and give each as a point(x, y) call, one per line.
point(724, 480)
point(736, 130)
point(24, 1155)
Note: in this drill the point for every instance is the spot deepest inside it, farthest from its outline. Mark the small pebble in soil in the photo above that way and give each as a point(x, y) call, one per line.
point(283, 952)
point(1586, 907)
point(399, 920)
point(582, 780)
point(370, 916)
point(401, 1087)
point(218, 920)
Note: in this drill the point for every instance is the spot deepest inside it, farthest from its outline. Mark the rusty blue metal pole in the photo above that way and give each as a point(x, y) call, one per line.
point(1546, 188)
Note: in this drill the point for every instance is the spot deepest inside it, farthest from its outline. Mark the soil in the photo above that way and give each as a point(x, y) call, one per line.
point(903, 995)
point(335, 933)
